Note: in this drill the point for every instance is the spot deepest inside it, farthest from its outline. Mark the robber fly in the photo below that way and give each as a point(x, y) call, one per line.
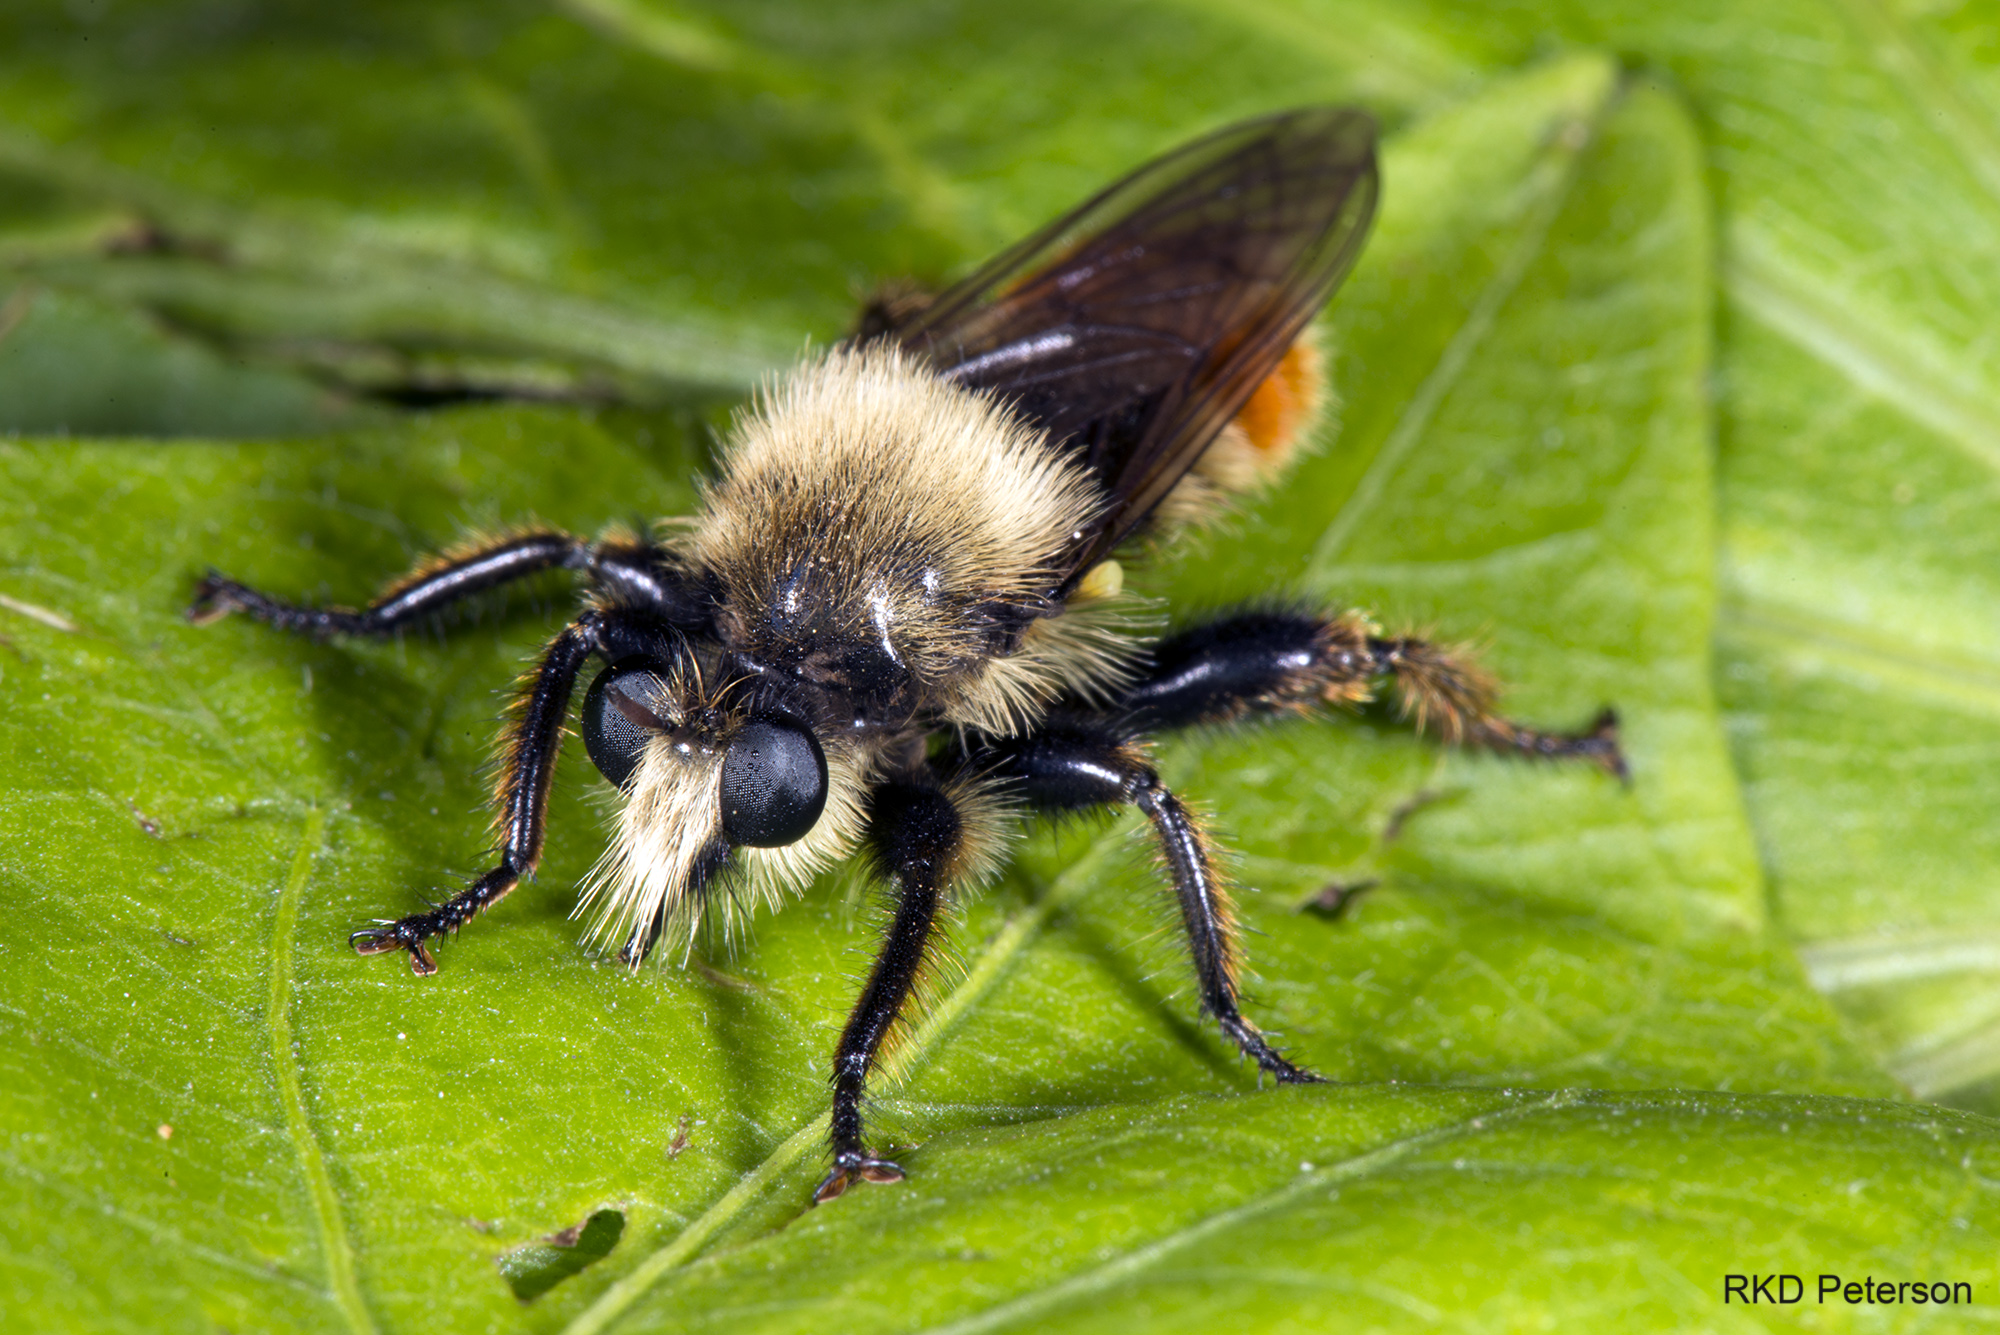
point(895, 622)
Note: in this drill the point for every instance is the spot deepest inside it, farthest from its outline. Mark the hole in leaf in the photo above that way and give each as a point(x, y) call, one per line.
point(534, 1268)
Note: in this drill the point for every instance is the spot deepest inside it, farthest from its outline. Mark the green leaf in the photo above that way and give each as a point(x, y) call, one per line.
point(1857, 149)
point(218, 1112)
point(1859, 648)
point(215, 1116)
point(1378, 1209)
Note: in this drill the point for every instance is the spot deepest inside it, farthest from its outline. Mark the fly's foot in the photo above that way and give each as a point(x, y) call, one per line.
point(1258, 1049)
point(850, 1164)
point(410, 933)
point(403, 934)
point(214, 599)
point(1600, 746)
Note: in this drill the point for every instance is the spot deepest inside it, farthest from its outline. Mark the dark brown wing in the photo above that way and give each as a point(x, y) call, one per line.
point(1137, 326)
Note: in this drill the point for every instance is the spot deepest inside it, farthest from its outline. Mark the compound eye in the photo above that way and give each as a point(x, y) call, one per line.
point(773, 784)
point(620, 712)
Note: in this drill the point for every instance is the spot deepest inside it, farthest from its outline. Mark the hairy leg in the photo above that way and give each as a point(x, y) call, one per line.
point(1269, 661)
point(918, 838)
point(1072, 765)
point(527, 768)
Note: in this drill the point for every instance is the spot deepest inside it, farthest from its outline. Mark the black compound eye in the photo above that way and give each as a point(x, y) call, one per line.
point(773, 784)
point(616, 726)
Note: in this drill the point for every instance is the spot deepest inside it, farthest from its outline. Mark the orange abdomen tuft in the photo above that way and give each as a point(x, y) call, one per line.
point(1284, 407)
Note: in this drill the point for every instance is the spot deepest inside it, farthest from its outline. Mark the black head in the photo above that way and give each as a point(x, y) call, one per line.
point(774, 778)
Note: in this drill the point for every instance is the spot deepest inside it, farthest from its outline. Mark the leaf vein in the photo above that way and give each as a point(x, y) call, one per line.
point(1966, 683)
point(1819, 318)
point(334, 1243)
point(1932, 89)
point(1121, 1268)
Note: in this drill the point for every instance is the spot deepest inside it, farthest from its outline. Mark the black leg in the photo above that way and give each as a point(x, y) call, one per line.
point(1269, 661)
point(628, 569)
point(634, 571)
point(1441, 688)
point(916, 834)
point(425, 591)
point(1075, 765)
point(533, 738)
